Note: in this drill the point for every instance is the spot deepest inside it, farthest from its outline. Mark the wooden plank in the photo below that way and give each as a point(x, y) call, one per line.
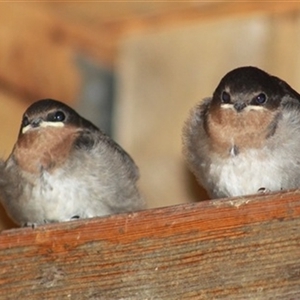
point(242, 248)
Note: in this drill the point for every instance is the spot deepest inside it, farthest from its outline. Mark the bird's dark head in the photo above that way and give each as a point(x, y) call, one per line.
point(51, 113)
point(245, 108)
point(249, 88)
point(49, 131)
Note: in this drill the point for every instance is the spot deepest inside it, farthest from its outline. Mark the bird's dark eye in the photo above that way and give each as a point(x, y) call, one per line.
point(225, 97)
point(261, 98)
point(58, 116)
point(25, 121)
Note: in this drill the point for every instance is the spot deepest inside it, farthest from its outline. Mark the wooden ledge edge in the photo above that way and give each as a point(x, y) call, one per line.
point(262, 207)
point(241, 248)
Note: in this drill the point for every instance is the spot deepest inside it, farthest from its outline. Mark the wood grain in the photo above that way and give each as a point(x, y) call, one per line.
point(242, 248)
point(97, 28)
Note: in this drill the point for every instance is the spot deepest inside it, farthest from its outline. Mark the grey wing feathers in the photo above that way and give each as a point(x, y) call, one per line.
point(287, 88)
point(124, 156)
point(195, 140)
point(92, 136)
point(195, 126)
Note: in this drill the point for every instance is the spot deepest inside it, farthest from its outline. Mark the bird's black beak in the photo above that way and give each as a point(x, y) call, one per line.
point(239, 106)
point(36, 122)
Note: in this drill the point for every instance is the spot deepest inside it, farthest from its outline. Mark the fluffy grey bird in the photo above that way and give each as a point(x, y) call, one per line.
point(246, 137)
point(62, 167)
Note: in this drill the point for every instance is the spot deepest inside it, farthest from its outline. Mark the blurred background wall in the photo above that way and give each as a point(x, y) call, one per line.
point(136, 68)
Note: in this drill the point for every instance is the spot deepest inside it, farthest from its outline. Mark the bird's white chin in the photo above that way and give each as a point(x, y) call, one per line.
point(43, 124)
point(247, 108)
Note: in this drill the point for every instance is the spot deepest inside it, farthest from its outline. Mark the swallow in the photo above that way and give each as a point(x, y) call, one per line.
point(246, 137)
point(63, 167)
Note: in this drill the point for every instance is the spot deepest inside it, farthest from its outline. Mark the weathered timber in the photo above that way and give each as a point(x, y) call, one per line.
point(242, 248)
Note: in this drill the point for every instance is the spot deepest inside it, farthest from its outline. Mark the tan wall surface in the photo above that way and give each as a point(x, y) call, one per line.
point(162, 75)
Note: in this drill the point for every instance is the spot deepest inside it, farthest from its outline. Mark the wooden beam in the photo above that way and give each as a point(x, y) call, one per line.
point(41, 40)
point(96, 29)
point(201, 12)
point(242, 248)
